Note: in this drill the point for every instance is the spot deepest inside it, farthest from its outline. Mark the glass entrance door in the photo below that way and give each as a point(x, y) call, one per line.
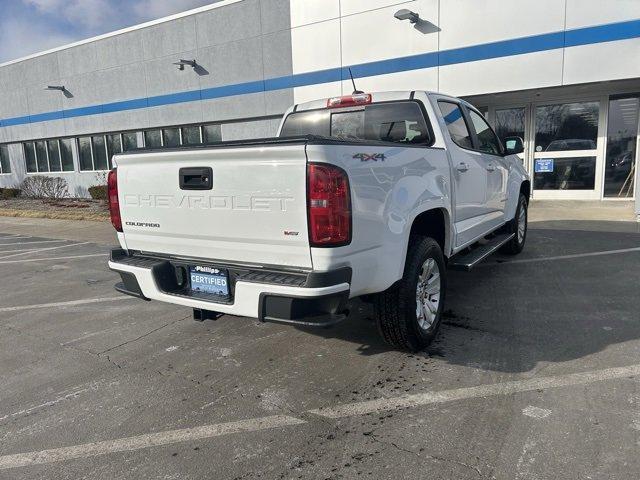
point(566, 150)
point(622, 140)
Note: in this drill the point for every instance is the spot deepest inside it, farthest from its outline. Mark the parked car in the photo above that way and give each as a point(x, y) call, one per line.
point(365, 195)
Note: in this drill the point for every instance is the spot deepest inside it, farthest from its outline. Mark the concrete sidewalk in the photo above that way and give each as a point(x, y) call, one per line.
point(96, 232)
point(610, 211)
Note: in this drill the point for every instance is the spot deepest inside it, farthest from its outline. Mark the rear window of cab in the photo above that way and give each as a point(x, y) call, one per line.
point(395, 122)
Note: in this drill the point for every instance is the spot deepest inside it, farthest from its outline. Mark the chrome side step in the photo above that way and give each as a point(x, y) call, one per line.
point(466, 261)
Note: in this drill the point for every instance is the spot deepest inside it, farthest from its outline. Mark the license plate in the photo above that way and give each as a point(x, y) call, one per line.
point(209, 280)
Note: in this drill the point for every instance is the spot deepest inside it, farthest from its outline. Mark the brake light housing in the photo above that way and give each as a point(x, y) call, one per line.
point(114, 203)
point(349, 100)
point(328, 205)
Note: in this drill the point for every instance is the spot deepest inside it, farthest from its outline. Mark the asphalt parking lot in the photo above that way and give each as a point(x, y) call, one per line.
point(535, 375)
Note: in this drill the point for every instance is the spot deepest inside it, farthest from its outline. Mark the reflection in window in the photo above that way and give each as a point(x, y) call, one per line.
point(567, 126)
point(487, 140)
point(577, 173)
point(455, 124)
point(620, 163)
point(30, 157)
point(191, 135)
point(84, 151)
point(54, 155)
point(171, 137)
point(5, 164)
point(66, 154)
point(211, 133)
point(153, 139)
point(510, 123)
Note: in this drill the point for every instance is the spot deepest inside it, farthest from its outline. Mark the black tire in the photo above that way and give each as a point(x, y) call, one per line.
point(395, 310)
point(516, 244)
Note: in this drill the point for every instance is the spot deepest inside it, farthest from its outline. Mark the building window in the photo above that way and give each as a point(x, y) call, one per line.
point(53, 150)
point(84, 152)
point(191, 135)
point(114, 147)
point(5, 164)
point(153, 139)
point(41, 156)
point(211, 133)
point(129, 141)
point(100, 161)
point(66, 154)
point(30, 157)
point(171, 137)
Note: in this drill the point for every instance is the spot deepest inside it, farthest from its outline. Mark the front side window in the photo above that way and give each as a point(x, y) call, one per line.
point(5, 164)
point(487, 140)
point(456, 124)
point(396, 122)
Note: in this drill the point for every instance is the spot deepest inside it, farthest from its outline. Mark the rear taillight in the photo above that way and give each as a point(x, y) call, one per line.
point(329, 206)
point(114, 203)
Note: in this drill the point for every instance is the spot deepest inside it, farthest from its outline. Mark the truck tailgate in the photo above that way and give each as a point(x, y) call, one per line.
point(254, 212)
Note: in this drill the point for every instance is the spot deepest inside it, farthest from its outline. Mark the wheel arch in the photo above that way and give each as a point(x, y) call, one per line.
point(434, 223)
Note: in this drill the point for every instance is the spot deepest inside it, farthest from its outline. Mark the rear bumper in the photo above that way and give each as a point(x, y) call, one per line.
point(311, 298)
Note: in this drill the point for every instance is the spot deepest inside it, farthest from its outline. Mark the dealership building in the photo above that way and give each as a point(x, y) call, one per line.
point(563, 75)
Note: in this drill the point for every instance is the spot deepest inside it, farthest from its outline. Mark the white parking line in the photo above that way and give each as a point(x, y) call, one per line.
point(29, 243)
point(146, 441)
point(72, 257)
point(564, 257)
point(65, 304)
point(20, 250)
point(506, 388)
point(339, 411)
point(46, 249)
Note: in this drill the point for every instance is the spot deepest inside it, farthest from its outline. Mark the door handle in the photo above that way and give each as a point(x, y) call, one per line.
point(195, 178)
point(491, 167)
point(462, 167)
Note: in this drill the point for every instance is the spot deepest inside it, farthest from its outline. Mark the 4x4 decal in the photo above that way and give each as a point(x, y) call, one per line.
point(367, 157)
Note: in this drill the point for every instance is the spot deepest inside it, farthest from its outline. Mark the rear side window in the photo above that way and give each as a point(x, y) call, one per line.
point(487, 140)
point(398, 122)
point(453, 118)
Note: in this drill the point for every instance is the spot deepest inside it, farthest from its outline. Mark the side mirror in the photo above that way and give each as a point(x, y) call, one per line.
point(513, 145)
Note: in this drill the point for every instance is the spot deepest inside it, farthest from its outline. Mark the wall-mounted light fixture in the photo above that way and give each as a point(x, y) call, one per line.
point(62, 88)
point(182, 63)
point(405, 14)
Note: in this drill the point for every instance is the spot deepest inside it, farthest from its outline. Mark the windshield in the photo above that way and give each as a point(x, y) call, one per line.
point(398, 122)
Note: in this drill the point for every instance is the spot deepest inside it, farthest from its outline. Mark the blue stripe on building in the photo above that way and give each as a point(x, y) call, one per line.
point(517, 46)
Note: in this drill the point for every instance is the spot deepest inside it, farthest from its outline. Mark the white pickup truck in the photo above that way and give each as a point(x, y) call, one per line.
point(366, 195)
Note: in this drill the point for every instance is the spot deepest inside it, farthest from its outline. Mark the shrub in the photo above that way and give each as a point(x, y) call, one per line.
point(98, 192)
point(6, 193)
point(45, 187)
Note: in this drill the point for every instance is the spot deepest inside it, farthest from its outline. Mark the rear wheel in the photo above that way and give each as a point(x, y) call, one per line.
point(518, 226)
point(409, 313)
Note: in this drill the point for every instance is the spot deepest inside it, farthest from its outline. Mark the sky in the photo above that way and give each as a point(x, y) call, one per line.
point(30, 26)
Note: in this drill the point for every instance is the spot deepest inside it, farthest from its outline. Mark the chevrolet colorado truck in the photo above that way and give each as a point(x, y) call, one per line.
point(371, 195)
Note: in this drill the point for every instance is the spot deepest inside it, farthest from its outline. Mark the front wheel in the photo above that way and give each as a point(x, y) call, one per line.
point(409, 313)
point(518, 226)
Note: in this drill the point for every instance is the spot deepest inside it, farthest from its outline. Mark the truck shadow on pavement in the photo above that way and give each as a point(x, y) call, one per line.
point(521, 316)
